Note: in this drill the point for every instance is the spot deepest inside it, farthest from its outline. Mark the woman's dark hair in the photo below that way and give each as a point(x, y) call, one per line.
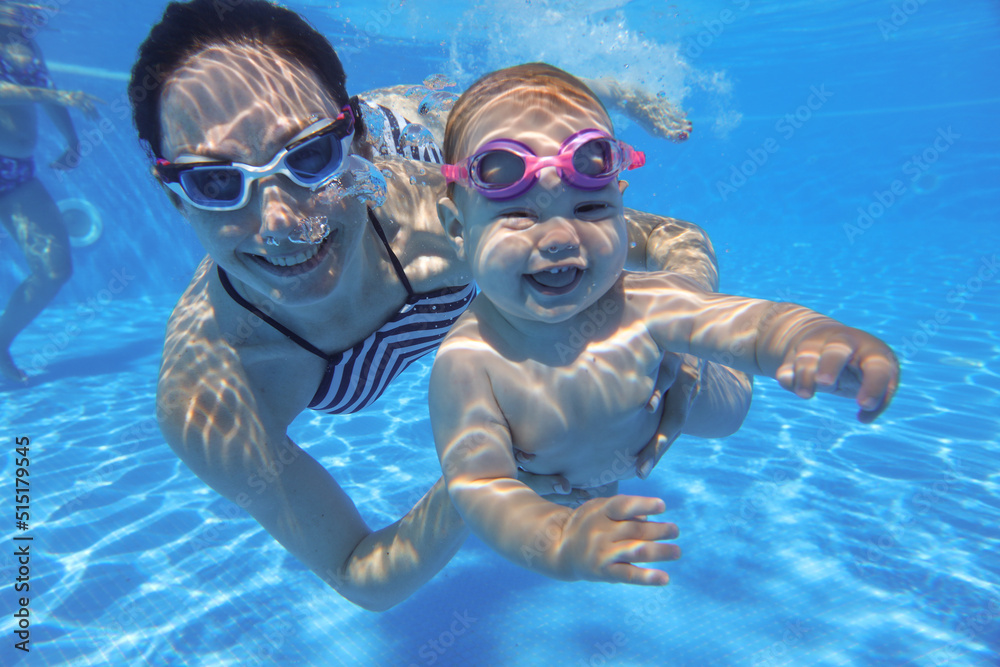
point(187, 28)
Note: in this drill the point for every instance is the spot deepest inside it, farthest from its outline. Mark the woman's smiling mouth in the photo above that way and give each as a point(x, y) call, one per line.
point(292, 265)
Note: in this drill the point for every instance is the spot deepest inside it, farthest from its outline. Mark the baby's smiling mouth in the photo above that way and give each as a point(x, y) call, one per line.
point(557, 280)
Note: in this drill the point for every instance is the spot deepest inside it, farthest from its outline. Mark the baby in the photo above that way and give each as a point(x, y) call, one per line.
point(558, 355)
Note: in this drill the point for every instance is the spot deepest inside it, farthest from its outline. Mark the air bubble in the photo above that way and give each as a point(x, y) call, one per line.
point(416, 136)
point(361, 180)
point(311, 230)
point(438, 81)
point(439, 100)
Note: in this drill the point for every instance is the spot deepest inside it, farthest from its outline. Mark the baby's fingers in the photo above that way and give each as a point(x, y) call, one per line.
point(626, 508)
point(643, 552)
point(640, 531)
point(879, 382)
point(625, 573)
point(798, 375)
point(832, 361)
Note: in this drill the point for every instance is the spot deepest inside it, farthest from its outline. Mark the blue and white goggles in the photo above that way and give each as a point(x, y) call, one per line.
point(311, 161)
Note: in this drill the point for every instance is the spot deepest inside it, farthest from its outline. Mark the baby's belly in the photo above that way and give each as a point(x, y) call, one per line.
point(593, 455)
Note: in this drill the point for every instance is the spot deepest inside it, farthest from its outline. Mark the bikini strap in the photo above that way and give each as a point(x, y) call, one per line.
point(412, 298)
point(294, 337)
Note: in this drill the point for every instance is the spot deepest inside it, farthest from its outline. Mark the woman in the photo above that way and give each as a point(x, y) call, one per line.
point(293, 272)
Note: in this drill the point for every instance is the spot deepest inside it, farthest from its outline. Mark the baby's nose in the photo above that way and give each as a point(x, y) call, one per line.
point(559, 237)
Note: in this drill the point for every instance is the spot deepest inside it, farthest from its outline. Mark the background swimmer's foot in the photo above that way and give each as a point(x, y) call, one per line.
point(653, 112)
point(10, 371)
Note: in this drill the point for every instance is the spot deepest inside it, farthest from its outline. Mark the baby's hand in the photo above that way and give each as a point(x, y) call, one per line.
point(604, 536)
point(847, 362)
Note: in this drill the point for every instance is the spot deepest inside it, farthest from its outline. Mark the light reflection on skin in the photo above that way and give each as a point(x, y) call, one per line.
point(241, 125)
point(507, 380)
point(245, 387)
point(232, 386)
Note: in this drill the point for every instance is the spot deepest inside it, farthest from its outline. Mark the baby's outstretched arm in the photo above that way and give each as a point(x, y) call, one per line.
point(804, 350)
point(598, 541)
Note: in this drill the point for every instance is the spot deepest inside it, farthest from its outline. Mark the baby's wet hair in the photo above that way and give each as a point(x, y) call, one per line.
point(530, 83)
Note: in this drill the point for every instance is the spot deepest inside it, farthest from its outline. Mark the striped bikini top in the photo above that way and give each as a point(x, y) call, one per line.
point(355, 378)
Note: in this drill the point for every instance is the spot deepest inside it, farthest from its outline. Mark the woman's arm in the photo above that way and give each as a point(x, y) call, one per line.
point(703, 399)
point(660, 243)
point(222, 429)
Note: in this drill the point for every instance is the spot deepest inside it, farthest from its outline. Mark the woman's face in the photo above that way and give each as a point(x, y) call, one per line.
point(245, 104)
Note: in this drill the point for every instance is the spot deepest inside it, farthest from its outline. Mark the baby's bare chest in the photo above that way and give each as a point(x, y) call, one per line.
point(590, 407)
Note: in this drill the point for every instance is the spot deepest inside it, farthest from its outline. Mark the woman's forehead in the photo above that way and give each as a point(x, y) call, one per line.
point(238, 95)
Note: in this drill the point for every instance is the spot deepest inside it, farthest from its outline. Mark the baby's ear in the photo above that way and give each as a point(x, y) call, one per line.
point(454, 225)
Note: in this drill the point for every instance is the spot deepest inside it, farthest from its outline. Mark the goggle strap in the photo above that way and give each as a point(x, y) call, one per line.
point(638, 159)
point(454, 173)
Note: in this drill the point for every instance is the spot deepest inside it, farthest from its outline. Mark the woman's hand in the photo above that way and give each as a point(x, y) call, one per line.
point(555, 488)
point(677, 387)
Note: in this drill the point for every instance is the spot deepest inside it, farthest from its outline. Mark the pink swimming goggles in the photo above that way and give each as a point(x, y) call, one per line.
point(504, 168)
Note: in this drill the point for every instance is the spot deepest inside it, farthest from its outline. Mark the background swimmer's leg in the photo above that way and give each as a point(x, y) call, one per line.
point(653, 113)
point(32, 219)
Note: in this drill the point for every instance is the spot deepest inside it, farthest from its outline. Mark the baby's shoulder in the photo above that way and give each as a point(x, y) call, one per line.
point(465, 340)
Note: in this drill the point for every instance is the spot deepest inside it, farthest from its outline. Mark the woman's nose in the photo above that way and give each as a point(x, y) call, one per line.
point(277, 215)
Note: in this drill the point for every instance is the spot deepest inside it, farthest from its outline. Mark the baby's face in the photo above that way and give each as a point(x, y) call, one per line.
point(552, 252)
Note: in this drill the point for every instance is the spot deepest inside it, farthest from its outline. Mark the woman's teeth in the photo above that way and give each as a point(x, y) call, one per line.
point(304, 256)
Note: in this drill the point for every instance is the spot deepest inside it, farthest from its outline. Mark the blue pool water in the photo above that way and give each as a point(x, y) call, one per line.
point(808, 539)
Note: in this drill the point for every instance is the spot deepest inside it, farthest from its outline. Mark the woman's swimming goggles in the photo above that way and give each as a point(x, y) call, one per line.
point(311, 161)
point(504, 168)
